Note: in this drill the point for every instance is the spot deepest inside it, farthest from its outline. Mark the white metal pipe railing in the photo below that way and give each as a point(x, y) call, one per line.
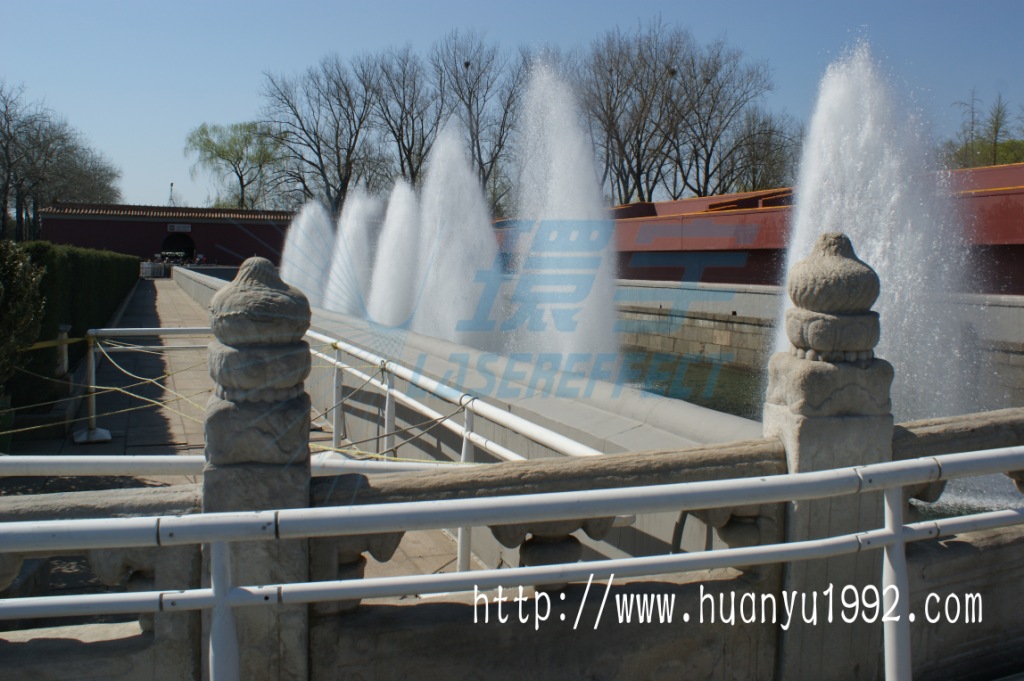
point(321, 465)
point(297, 523)
point(435, 583)
point(195, 599)
point(154, 331)
point(223, 642)
point(92, 338)
point(539, 434)
point(489, 446)
point(384, 587)
point(90, 379)
point(220, 528)
point(142, 348)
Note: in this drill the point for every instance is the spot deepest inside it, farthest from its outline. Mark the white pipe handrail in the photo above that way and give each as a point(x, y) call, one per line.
point(321, 465)
point(218, 529)
point(388, 587)
point(141, 348)
point(152, 331)
point(489, 446)
point(502, 510)
point(539, 434)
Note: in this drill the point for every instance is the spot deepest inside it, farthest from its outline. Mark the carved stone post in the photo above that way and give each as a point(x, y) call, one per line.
point(257, 451)
point(828, 401)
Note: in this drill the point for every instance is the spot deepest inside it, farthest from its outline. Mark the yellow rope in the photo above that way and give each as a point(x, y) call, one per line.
point(434, 422)
point(103, 390)
point(153, 403)
point(58, 400)
point(51, 344)
point(346, 399)
point(141, 380)
point(151, 380)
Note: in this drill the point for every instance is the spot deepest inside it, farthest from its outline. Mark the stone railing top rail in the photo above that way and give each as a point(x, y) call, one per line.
point(112, 503)
point(914, 439)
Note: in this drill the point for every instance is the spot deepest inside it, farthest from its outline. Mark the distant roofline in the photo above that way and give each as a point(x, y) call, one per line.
point(164, 212)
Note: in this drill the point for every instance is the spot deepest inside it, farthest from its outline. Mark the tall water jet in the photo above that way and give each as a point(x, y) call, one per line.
point(458, 250)
point(348, 284)
point(566, 265)
point(396, 267)
point(866, 171)
point(307, 252)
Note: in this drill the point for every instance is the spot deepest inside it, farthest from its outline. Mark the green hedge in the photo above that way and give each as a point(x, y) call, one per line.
point(82, 287)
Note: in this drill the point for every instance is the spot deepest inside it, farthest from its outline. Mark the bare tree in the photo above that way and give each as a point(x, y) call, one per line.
point(713, 87)
point(56, 165)
point(625, 85)
point(483, 87)
point(985, 139)
point(769, 153)
point(996, 128)
point(962, 152)
point(88, 177)
point(409, 105)
point(15, 119)
point(323, 120)
point(49, 144)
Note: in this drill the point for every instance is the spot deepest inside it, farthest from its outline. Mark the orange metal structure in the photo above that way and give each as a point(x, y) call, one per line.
point(742, 238)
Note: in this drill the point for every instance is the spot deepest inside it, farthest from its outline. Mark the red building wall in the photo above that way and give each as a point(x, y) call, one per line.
point(222, 237)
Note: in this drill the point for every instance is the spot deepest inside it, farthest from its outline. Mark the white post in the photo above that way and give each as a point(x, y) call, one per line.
point(389, 415)
point(91, 432)
point(90, 378)
point(337, 420)
point(896, 592)
point(223, 645)
point(466, 533)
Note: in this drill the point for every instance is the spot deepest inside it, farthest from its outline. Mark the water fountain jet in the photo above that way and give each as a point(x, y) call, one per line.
point(867, 171)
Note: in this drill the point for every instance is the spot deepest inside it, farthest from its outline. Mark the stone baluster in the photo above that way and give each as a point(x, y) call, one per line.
point(342, 558)
point(743, 525)
point(550, 543)
point(257, 451)
point(828, 401)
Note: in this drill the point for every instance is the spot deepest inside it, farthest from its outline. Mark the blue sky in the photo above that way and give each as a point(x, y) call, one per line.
point(135, 77)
